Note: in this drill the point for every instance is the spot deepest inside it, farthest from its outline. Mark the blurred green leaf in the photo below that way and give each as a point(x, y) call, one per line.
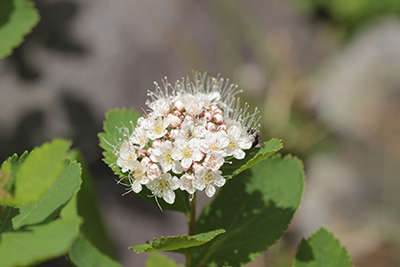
point(255, 208)
point(37, 172)
point(93, 227)
point(17, 18)
point(45, 208)
point(253, 156)
point(83, 254)
point(38, 243)
point(109, 140)
point(157, 260)
point(321, 249)
point(172, 243)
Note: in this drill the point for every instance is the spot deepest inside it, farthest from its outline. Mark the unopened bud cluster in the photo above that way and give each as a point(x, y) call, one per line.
point(185, 138)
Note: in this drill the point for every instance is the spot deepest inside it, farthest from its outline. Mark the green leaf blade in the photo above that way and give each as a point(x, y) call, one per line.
point(83, 254)
point(35, 175)
point(37, 243)
point(45, 208)
point(321, 249)
point(17, 18)
point(255, 208)
point(174, 243)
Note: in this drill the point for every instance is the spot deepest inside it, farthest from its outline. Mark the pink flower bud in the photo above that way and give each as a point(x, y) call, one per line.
point(222, 127)
point(218, 111)
point(169, 142)
point(186, 169)
point(149, 150)
point(196, 165)
point(156, 143)
point(174, 134)
point(175, 121)
point(146, 160)
point(179, 105)
point(214, 107)
point(210, 126)
point(142, 153)
point(177, 113)
point(208, 115)
point(189, 118)
point(218, 118)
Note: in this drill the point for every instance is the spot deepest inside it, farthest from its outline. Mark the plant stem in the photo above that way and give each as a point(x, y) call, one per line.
point(191, 221)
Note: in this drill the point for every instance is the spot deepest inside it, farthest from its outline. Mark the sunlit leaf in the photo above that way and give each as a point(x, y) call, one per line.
point(17, 18)
point(321, 249)
point(37, 173)
point(45, 208)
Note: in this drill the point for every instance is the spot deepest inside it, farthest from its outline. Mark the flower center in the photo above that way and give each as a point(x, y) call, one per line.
point(214, 147)
point(187, 152)
point(166, 157)
point(233, 145)
point(208, 178)
point(158, 127)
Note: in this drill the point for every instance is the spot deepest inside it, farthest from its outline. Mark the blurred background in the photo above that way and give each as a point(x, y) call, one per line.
point(325, 75)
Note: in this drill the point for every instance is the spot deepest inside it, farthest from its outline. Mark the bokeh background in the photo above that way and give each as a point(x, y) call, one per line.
point(325, 75)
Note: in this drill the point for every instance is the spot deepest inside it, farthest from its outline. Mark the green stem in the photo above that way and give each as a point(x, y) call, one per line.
point(191, 221)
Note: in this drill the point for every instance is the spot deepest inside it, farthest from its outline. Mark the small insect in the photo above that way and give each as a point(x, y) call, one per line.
point(147, 242)
point(257, 137)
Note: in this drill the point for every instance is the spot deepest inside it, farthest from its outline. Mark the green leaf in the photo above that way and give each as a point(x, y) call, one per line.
point(109, 139)
point(8, 171)
point(45, 208)
point(172, 243)
point(321, 249)
point(37, 243)
point(83, 254)
point(17, 18)
point(255, 208)
point(157, 260)
point(93, 227)
point(38, 172)
point(253, 156)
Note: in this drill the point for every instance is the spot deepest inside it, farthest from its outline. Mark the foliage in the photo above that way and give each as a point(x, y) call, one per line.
point(17, 18)
point(321, 249)
point(348, 14)
point(50, 225)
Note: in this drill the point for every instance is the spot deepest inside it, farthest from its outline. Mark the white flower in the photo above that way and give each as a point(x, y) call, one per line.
point(160, 107)
point(162, 155)
point(208, 179)
point(164, 187)
point(214, 161)
point(138, 176)
point(193, 105)
point(127, 156)
point(153, 171)
point(237, 142)
point(187, 151)
point(156, 128)
point(191, 130)
point(139, 137)
point(214, 142)
point(188, 183)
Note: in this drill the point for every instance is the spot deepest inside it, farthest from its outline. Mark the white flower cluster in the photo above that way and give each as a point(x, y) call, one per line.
point(185, 138)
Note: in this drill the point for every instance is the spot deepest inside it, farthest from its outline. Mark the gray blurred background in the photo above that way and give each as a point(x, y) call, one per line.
point(325, 74)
